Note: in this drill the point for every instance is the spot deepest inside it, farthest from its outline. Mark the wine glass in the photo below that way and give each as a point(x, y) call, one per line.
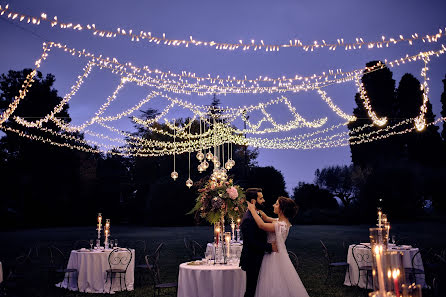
point(91, 244)
point(116, 243)
point(112, 242)
point(393, 239)
point(208, 255)
point(98, 243)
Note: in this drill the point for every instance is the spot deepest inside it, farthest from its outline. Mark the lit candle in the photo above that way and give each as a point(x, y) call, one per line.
point(379, 218)
point(99, 219)
point(233, 228)
point(395, 274)
point(227, 239)
point(217, 230)
point(238, 223)
point(378, 250)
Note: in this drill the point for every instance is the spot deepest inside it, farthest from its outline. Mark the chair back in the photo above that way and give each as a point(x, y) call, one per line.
point(78, 244)
point(197, 249)
point(56, 258)
point(294, 259)
point(327, 256)
point(120, 258)
point(362, 258)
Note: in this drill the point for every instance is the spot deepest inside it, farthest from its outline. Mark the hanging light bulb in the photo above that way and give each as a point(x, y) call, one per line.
point(200, 156)
point(174, 175)
point(189, 183)
point(209, 156)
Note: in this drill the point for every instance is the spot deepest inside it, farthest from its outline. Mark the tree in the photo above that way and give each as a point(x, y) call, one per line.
point(310, 196)
point(271, 181)
point(443, 110)
point(39, 182)
point(380, 88)
point(338, 181)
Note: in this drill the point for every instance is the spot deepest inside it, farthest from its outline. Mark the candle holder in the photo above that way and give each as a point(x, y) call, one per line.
point(388, 270)
point(232, 230)
point(238, 234)
point(107, 232)
point(99, 228)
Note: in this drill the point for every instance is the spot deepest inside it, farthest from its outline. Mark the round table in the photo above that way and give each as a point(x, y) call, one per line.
point(364, 256)
point(211, 280)
point(91, 267)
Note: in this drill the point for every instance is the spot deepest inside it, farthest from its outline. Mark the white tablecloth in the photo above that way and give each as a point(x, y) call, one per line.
point(1, 273)
point(365, 254)
point(235, 248)
point(91, 267)
point(211, 281)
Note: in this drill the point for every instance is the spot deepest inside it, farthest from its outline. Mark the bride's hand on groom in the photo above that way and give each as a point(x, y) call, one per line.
point(274, 247)
point(251, 206)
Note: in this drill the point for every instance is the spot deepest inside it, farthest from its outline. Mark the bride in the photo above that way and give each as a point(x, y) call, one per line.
point(277, 276)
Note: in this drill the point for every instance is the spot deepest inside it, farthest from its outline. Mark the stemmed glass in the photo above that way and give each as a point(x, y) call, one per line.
point(393, 239)
point(111, 243)
point(91, 244)
point(116, 243)
point(208, 256)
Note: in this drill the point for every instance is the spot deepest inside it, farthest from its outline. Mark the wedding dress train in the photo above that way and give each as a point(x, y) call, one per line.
point(278, 277)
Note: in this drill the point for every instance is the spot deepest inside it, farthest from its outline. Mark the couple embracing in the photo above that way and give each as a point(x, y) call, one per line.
point(269, 271)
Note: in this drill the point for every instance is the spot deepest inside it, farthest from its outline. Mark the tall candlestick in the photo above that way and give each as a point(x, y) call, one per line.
point(217, 230)
point(233, 229)
point(378, 250)
point(379, 218)
point(395, 275)
point(227, 239)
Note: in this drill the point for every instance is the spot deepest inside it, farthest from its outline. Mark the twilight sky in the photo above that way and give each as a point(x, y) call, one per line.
point(230, 20)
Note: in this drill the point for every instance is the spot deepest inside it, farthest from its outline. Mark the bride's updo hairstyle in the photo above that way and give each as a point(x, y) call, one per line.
point(288, 207)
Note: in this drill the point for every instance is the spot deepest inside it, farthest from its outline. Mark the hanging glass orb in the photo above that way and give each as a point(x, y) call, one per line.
point(228, 165)
point(232, 162)
point(200, 156)
point(200, 168)
point(217, 163)
point(215, 159)
point(213, 177)
point(189, 183)
point(209, 156)
point(224, 176)
point(174, 175)
point(205, 164)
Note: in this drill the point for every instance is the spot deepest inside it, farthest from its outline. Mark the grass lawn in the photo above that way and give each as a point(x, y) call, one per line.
point(303, 240)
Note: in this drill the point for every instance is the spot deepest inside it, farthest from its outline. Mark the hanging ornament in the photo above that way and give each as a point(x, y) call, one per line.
point(200, 168)
point(215, 159)
point(217, 164)
point(200, 156)
point(189, 183)
point(209, 156)
point(205, 165)
point(232, 162)
point(174, 175)
point(228, 165)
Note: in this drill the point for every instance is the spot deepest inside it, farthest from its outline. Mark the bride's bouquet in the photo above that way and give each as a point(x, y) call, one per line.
point(219, 199)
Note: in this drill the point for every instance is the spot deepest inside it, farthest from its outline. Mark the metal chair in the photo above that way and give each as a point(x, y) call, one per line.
point(58, 265)
point(194, 249)
point(364, 262)
point(152, 262)
point(118, 261)
point(78, 244)
point(294, 259)
point(331, 264)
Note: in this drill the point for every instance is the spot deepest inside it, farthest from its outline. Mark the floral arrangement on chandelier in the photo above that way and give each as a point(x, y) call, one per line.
point(219, 199)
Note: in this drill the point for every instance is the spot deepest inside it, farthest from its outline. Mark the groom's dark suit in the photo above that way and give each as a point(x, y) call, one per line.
point(254, 247)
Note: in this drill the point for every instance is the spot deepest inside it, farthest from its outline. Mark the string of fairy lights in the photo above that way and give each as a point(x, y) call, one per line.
point(252, 44)
point(217, 127)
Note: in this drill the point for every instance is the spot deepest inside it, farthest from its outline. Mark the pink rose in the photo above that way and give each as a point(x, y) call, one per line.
point(212, 186)
point(232, 192)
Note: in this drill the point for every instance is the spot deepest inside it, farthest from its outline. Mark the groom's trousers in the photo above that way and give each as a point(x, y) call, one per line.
point(252, 274)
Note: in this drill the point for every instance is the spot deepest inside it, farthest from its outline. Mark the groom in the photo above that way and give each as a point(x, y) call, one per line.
point(254, 243)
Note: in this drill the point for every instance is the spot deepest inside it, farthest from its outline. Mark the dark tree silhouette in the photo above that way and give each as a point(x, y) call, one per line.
point(310, 196)
point(338, 180)
point(443, 109)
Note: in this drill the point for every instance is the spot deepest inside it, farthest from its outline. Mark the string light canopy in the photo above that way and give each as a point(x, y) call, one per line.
point(251, 44)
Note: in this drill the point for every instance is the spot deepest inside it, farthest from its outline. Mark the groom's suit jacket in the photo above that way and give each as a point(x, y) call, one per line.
point(254, 243)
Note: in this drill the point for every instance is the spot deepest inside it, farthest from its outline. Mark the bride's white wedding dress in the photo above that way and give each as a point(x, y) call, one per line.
point(278, 277)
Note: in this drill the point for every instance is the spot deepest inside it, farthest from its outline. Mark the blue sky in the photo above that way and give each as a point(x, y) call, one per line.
point(272, 21)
